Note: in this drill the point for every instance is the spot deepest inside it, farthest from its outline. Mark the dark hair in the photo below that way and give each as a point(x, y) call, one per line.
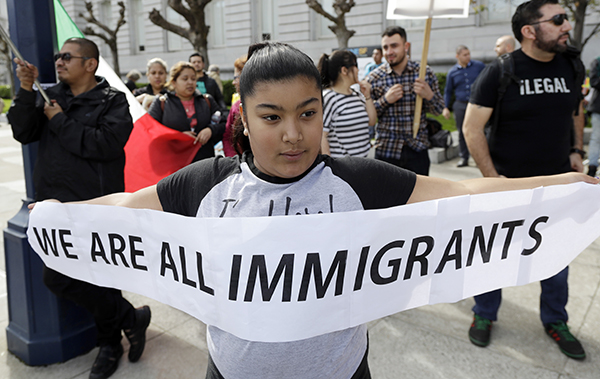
point(176, 71)
point(378, 48)
point(197, 55)
point(330, 66)
point(270, 62)
point(460, 48)
point(391, 30)
point(527, 13)
point(87, 48)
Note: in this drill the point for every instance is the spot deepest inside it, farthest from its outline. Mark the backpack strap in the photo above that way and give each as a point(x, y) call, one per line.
point(507, 76)
point(574, 57)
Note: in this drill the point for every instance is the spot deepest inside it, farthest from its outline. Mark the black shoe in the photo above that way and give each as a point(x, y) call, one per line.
point(137, 334)
point(567, 343)
point(480, 331)
point(463, 163)
point(107, 361)
point(592, 170)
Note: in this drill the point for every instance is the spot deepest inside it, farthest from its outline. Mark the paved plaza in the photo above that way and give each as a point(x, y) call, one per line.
point(428, 342)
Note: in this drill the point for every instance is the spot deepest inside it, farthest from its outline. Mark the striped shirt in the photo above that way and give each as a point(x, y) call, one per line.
point(396, 120)
point(346, 121)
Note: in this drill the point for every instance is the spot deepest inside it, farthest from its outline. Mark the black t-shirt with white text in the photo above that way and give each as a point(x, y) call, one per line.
point(534, 134)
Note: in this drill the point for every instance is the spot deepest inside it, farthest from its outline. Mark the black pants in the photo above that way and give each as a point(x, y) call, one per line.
point(415, 161)
point(362, 372)
point(110, 310)
point(460, 108)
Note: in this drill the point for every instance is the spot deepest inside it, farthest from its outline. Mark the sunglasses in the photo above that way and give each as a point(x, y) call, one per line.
point(66, 57)
point(557, 20)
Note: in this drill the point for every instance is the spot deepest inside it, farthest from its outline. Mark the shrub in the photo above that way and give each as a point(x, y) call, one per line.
point(228, 91)
point(441, 77)
point(5, 92)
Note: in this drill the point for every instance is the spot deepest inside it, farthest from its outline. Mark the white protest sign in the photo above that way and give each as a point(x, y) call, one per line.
point(287, 278)
point(407, 9)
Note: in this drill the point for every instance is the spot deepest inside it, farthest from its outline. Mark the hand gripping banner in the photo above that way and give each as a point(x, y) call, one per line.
point(287, 278)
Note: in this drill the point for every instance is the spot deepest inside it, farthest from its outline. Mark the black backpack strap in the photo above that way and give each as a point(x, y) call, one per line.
point(507, 76)
point(574, 57)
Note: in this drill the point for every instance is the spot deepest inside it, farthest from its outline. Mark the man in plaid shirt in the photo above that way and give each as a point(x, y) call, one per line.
point(394, 88)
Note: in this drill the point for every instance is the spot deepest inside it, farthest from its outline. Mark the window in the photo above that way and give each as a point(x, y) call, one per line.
point(174, 41)
point(268, 20)
point(500, 10)
point(137, 32)
point(215, 17)
point(323, 29)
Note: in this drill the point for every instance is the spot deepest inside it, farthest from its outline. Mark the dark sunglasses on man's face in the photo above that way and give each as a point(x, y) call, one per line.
point(66, 57)
point(557, 20)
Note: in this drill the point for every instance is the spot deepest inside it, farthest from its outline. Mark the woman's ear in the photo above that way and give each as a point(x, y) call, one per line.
point(244, 121)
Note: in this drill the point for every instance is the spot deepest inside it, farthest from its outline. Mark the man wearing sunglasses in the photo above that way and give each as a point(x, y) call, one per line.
point(539, 132)
point(80, 156)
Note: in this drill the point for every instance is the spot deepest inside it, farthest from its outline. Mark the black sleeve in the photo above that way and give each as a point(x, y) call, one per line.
point(378, 184)
point(155, 109)
point(217, 129)
point(25, 117)
point(101, 141)
point(182, 192)
point(485, 88)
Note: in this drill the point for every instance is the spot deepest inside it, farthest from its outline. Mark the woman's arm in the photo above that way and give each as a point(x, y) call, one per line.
point(427, 188)
point(146, 198)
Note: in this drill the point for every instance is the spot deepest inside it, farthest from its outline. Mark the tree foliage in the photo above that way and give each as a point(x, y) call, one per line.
point(578, 11)
point(109, 35)
point(194, 14)
point(341, 7)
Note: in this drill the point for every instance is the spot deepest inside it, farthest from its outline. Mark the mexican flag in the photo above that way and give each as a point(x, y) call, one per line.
point(153, 150)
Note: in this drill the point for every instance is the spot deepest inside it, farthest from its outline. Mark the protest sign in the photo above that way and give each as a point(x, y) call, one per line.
point(407, 9)
point(271, 278)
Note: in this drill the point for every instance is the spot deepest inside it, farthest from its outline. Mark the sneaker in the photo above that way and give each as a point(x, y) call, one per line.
point(137, 334)
point(567, 343)
point(480, 331)
point(107, 361)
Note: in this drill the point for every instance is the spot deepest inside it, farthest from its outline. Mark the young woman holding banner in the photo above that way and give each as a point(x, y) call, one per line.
point(282, 172)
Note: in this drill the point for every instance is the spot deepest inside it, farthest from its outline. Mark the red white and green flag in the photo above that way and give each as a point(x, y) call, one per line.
point(153, 150)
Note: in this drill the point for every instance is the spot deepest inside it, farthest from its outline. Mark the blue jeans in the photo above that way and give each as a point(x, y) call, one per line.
point(594, 152)
point(553, 300)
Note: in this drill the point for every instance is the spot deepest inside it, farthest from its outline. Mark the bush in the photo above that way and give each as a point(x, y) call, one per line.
point(5, 92)
point(441, 77)
point(228, 91)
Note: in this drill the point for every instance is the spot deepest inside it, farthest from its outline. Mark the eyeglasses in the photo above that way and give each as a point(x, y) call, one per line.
point(557, 20)
point(236, 77)
point(66, 57)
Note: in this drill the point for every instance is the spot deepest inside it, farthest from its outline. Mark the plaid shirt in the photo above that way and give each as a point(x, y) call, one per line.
point(396, 120)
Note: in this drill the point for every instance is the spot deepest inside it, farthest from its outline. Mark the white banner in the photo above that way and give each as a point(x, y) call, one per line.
point(289, 278)
point(410, 9)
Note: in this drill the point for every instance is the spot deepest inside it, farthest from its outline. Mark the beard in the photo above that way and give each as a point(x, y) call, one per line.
point(550, 46)
point(399, 59)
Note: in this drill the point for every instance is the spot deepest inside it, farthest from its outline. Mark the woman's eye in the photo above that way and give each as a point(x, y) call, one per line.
point(271, 117)
point(308, 113)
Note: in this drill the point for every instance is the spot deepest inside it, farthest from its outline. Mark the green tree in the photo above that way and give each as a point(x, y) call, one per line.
point(578, 11)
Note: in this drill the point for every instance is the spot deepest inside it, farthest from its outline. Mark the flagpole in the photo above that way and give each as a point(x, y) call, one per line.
point(423, 70)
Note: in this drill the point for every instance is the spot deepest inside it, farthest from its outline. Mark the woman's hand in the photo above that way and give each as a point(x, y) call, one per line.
point(365, 88)
point(191, 134)
point(32, 205)
point(204, 136)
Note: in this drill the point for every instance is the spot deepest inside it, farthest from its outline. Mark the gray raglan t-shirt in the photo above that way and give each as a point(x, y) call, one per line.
point(234, 187)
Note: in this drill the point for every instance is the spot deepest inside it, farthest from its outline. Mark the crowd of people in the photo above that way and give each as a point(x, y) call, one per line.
point(295, 127)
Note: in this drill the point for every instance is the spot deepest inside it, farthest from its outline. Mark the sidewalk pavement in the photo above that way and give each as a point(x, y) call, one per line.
point(427, 342)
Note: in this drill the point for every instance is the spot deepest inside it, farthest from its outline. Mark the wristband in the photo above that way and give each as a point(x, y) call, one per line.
point(578, 151)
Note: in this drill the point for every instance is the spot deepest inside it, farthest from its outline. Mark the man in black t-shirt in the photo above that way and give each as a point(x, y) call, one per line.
point(539, 132)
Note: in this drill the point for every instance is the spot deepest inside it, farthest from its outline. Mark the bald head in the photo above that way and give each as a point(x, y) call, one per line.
point(505, 44)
